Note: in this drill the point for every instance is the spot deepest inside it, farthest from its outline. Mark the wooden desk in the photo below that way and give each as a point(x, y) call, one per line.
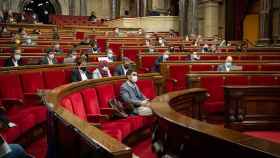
point(184, 136)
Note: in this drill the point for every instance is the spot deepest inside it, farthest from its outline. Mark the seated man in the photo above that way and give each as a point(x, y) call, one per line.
point(11, 150)
point(131, 95)
point(159, 60)
point(102, 70)
point(122, 69)
point(227, 66)
point(57, 49)
point(71, 57)
point(49, 59)
point(110, 55)
point(80, 73)
point(15, 59)
point(94, 49)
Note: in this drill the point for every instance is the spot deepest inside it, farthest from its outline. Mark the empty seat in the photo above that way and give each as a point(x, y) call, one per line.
point(10, 87)
point(105, 94)
point(236, 80)
point(263, 80)
point(177, 78)
point(147, 88)
point(54, 78)
point(214, 86)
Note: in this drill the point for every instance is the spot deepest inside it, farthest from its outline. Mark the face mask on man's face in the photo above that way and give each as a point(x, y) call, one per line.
point(51, 56)
point(134, 78)
point(17, 57)
point(228, 64)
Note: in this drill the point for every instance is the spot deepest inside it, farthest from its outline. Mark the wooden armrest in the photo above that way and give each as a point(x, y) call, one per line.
point(97, 125)
point(97, 118)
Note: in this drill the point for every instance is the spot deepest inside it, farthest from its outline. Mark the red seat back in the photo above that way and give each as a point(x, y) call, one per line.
point(90, 101)
point(147, 88)
point(54, 78)
point(270, 67)
point(131, 54)
point(78, 105)
point(117, 87)
point(214, 85)
point(178, 73)
point(202, 67)
point(148, 61)
point(67, 104)
point(32, 81)
point(105, 94)
point(10, 87)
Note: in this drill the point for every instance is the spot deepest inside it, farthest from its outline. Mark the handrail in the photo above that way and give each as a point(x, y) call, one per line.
point(210, 140)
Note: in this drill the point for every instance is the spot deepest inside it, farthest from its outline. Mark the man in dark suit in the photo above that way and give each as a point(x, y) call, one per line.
point(80, 73)
point(49, 59)
point(227, 66)
point(15, 59)
point(122, 69)
point(159, 60)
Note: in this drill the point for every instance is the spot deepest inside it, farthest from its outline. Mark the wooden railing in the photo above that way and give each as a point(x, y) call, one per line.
point(179, 134)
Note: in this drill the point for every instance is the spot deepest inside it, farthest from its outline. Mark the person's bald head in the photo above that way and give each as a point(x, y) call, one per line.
point(229, 59)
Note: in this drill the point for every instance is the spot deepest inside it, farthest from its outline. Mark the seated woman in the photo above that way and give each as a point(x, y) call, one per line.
point(80, 73)
point(49, 59)
point(15, 59)
point(102, 71)
point(110, 55)
point(131, 94)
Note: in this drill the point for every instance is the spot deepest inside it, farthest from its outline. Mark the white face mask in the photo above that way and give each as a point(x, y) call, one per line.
point(74, 56)
point(17, 57)
point(134, 79)
point(105, 68)
point(110, 55)
point(160, 41)
point(51, 56)
point(165, 56)
point(28, 41)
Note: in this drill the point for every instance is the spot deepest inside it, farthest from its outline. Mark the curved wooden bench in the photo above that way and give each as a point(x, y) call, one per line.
point(179, 134)
point(71, 125)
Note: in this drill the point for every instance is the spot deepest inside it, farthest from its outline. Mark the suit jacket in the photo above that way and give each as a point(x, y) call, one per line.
point(131, 95)
point(45, 61)
point(156, 67)
point(222, 68)
point(119, 71)
point(76, 76)
point(9, 62)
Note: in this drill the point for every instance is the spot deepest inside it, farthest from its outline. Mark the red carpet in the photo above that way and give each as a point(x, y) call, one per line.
point(39, 148)
point(144, 149)
point(273, 136)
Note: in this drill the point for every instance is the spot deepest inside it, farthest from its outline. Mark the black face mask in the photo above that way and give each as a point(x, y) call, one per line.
point(83, 68)
point(126, 66)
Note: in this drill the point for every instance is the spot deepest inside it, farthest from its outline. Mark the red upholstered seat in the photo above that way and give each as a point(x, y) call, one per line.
point(117, 87)
point(101, 44)
point(270, 67)
point(263, 80)
point(80, 35)
point(116, 48)
point(202, 67)
point(215, 101)
point(236, 80)
point(147, 88)
point(131, 54)
point(271, 57)
point(31, 82)
point(172, 57)
point(249, 57)
point(250, 67)
point(67, 104)
point(105, 94)
point(10, 87)
point(209, 57)
point(33, 50)
point(11, 134)
point(91, 101)
point(177, 79)
point(54, 78)
point(148, 62)
point(78, 105)
point(114, 133)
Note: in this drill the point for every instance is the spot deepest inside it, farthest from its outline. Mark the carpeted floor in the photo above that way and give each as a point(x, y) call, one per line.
point(143, 149)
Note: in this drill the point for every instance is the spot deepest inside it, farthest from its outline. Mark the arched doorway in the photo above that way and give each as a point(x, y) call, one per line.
point(43, 8)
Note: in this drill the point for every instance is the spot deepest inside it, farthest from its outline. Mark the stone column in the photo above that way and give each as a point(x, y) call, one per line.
point(138, 7)
point(264, 23)
point(211, 18)
point(193, 18)
point(143, 7)
point(276, 5)
point(83, 7)
point(183, 6)
point(115, 8)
